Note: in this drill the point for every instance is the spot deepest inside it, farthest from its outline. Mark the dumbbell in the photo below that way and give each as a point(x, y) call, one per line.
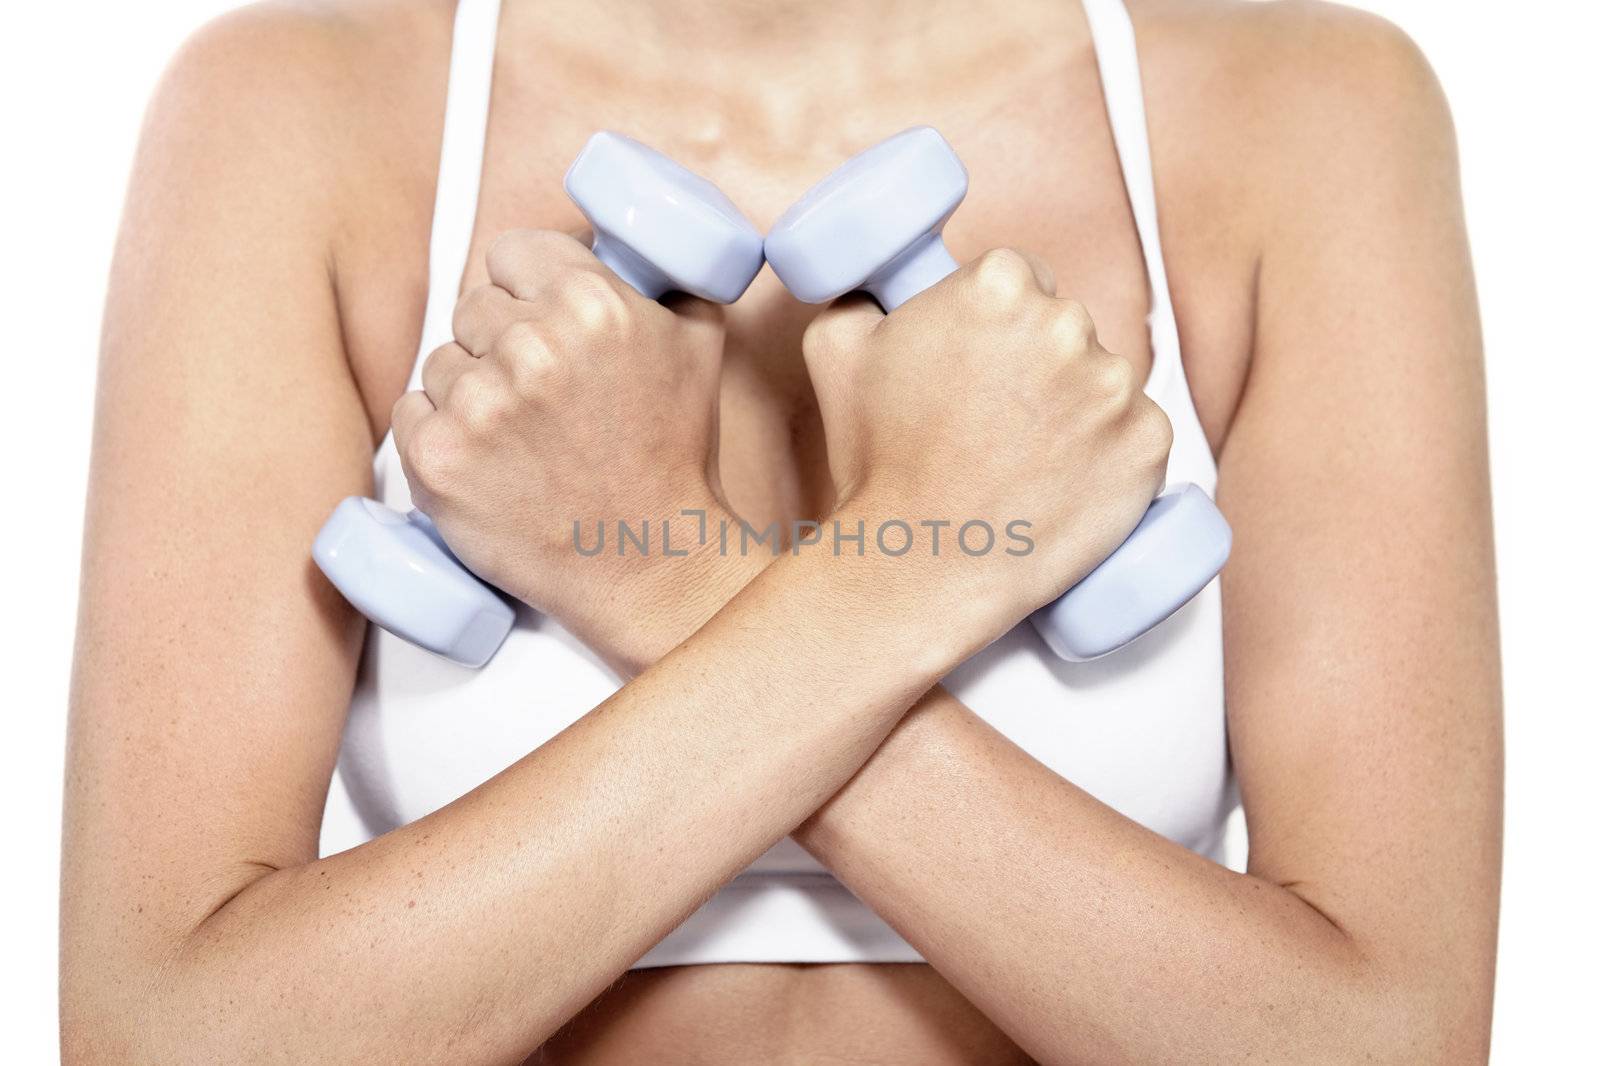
point(876, 225)
point(659, 227)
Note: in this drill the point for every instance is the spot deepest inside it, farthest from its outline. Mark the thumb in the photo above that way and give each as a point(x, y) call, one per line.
point(832, 347)
point(839, 331)
point(832, 340)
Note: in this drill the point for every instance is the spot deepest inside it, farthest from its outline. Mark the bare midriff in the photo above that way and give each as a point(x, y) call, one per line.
point(891, 1014)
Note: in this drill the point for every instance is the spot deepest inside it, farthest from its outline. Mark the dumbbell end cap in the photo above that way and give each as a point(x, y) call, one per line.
point(675, 221)
point(396, 572)
point(1179, 545)
point(858, 219)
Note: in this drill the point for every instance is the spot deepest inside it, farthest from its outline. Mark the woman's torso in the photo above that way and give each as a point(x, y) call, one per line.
point(1031, 126)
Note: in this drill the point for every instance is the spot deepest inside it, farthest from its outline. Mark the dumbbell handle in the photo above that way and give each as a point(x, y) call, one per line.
point(628, 266)
point(921, 266)
point(658, 227)
point(1101, 613)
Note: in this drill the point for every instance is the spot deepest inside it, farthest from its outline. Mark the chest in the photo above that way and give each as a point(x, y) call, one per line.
point(1044, 176)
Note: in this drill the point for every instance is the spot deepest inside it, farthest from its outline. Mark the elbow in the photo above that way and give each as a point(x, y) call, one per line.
point(152, 1036)
point(135, 1014)
point(1434, 1019)
point(105, 1024)
point(157, 992)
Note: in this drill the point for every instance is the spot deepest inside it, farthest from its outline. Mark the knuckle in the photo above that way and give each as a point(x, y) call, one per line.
point(593, 302)
point(519, 256)
point(1071, 326)
point(437, 357)
point(1001, 275)
point(1111, 380)
point(515, 245)
point(513, 240)
point(470, 309)
point(520, 338)
point(535, 367)
point(1152, 432)
point(507, 250)
point(480, 403)
point(1161, 427)
point(429, 452)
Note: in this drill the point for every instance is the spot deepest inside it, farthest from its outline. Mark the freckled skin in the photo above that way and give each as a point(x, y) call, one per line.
point(266, 300)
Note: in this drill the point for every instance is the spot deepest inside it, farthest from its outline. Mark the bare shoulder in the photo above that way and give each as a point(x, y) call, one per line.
point(1279, 131)
point(308, 130)
point(300, 101)
point(1283, 55)
point(1281, 98)
point(322, 62)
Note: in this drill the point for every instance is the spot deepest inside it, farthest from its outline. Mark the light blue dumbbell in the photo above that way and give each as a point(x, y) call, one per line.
point(876, 225)
point(661, 229)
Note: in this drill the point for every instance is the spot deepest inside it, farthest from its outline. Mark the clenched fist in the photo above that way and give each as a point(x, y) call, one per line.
point(985, 398)
point(567, 397)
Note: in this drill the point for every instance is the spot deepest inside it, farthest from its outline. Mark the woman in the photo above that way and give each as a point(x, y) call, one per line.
point(1018, 863)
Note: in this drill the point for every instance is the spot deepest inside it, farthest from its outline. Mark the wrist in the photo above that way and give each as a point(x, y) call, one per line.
point(929, 734)
point(688, 574)
point(844, 627)
point(879, 580)
point(959, 573)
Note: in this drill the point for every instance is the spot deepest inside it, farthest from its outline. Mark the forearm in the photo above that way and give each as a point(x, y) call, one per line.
point(1082, 934)
point(473, 933)
point(1004, 874)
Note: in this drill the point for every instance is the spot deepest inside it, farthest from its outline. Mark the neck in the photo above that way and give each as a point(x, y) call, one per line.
point(767, 27)
point(785, 69)
point(895, 37)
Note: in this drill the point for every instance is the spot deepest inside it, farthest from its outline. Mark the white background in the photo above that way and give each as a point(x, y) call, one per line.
point(1521, 78)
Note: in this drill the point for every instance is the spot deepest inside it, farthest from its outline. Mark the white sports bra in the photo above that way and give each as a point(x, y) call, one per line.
point(1141, 729)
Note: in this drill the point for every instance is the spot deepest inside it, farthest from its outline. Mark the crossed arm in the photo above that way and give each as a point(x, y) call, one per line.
point(1363, 686)
point(212, 674)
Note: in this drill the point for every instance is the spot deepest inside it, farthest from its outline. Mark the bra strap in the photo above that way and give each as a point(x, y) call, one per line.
point(1117, 55)
point(455, 199)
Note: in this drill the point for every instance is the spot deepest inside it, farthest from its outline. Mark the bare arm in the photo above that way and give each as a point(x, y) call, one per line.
point(1362, 672)
point(213, 666)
